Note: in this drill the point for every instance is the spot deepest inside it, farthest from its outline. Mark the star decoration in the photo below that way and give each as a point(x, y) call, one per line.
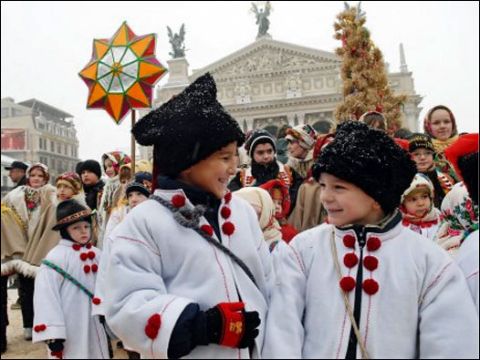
point(122, 73)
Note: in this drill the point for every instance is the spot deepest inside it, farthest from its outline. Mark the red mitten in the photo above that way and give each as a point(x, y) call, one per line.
point(233, 322)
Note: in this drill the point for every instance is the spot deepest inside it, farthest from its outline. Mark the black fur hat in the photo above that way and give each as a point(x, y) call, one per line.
point(371, 160)
point(188, 128)
point(90, 165)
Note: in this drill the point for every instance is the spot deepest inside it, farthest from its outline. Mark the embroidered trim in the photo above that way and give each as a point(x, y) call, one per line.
point(76, 216)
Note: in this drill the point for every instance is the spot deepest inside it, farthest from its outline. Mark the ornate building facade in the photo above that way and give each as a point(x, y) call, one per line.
point(270, 83)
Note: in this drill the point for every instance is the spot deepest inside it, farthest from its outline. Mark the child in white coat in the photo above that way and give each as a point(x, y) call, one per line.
point(64, 288)
point(188, 269)
point(363, 285)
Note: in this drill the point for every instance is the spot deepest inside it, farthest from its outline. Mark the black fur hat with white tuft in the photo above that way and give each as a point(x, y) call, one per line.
point(188, 128)
point(371, 160)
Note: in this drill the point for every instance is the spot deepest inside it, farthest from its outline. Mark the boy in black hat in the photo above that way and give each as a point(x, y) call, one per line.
point(16, 172)
point(91, 173)
point(64, 289)
point(363, 285)
point(421, 149)
point(193, 264)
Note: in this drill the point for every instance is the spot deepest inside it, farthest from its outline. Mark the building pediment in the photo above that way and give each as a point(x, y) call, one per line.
point(267, 56)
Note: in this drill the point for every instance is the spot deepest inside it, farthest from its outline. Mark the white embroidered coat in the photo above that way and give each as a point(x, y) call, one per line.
point(62, 310)
point(421, 310)
point(158, 266)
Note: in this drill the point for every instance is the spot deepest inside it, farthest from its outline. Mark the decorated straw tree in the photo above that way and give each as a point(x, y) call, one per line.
point(365, 83)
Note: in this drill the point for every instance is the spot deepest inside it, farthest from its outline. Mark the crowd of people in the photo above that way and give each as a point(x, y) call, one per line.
point(356, 243)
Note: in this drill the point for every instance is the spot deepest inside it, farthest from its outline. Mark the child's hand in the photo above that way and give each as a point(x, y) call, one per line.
point(230, 325)
point(56, 347)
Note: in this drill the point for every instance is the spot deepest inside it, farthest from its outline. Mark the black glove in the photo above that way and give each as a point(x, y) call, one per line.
point(56, 347)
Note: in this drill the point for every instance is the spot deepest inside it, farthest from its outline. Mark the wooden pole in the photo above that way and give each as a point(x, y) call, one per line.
point(133, 145)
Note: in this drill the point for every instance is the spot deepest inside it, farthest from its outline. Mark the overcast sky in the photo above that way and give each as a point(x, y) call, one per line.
point(46, 44)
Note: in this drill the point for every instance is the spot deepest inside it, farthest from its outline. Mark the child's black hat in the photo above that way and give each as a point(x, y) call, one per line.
point(371, 160)
point(70, 212)
point(188, 128)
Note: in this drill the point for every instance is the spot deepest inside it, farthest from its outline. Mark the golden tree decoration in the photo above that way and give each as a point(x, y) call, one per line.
point(365, 83)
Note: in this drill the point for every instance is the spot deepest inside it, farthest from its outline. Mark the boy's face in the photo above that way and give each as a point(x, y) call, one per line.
point(417, 203)
point(423, 159)
point(80, 232)
point(212, 174)
point(346, 203)
point(64, 192)
point(263, 154)
point(89, 178)
point(135, 198)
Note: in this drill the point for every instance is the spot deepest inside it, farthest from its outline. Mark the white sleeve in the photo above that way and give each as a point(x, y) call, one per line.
point(48, 322)
point(136, 291)
point(448, 320)
point(284, 328)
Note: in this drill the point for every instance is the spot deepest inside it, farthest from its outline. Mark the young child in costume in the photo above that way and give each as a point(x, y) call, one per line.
point(188, 270)
point(263, 205)
point(281, 200)
point(364, 285)
point(417, 208)
point(64, 288)
point(69, 185)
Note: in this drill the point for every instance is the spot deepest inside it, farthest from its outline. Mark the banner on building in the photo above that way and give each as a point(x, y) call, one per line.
point(14, 139)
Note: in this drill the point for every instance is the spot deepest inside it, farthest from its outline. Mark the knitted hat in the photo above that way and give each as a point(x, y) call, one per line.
point(420, 181)
point(91, 165)
point(418, 140)
point(371, 160)
point(142, 176)
point(188, 128)
point(71, 211)
point(258, 137)
point(70, 179)
point(305, 134)
point(136, 186)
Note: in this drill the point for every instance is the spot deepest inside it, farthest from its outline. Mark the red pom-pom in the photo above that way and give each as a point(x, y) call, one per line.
point(208, 229)
point(40, 327)
point(91, 255)
point(94, 267)
point(83, 256)
point(347, 283)
point(76, 247)
point(89, 246)
point(86, 268)
point(350, 260)
point(349, 241)
point(225, 212)
point(370, 262)
point(228, 197)
point(228, 228)
point(373, 243)
point(151, 332)
point(155, 321)
point(178, 200)
point(96, 301)
point(370, 286)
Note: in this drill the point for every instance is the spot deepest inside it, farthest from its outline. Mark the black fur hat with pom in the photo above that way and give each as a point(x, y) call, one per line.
point(371, 160)
point(188, 128)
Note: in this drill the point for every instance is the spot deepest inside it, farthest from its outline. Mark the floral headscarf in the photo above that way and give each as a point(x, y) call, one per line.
point(118, 159)
point(459, 218)
point(42, 167)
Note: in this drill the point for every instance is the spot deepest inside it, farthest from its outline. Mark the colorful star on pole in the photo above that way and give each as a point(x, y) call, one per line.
point(122, 73)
